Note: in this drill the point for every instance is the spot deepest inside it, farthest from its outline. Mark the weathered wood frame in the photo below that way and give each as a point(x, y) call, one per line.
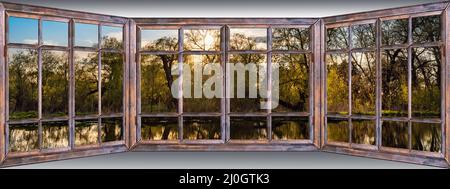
point(69, 17)
point(317, 114)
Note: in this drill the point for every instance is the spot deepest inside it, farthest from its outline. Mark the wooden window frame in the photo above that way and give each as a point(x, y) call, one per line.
point(131, 100)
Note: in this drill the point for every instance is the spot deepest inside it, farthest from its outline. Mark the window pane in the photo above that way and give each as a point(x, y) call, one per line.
point(426, 29)
point(337, 130)
point(156, 82)
point(55, 134)
point(290, 38)
point(337, 38)
point(86, 132)
point(201, 86)
point(248, 128)
point(395, 134)
point(426, 82)
point(159, 128)
point(86, 35)
point(394, 32)
point(86, 82)
point(363, 131)
point(197, 128)
point(22, 30)
point(159, 40)
point(426, 137)
point(112, 83)
point(55, 33)
point(202, 40)
point(23, 83)
point(395, 83)
point(248, 39)
point(112, 37)
point(23, 137)
point(293, 82)
point(248, 72)
point(286, 128)
point(363, 83)
point(337, 83)
point(111, 129)
point(363, 36)
point(55, 83)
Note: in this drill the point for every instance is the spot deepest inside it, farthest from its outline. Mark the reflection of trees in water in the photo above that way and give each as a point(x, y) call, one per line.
point(395, 134)
point(159, 128)
point(284, 128)
point(111, 129)
point(23, 137)
point(55, 134)
point(337, 130)
point(201, 128)
point(248, 128)
point(363, 132)
point(426, 137)
point(86, 132)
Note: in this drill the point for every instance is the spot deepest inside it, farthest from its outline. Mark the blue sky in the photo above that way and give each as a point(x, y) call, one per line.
point(23, 30)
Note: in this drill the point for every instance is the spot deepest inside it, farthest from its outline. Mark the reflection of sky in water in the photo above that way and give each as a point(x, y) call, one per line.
point(23, 30)
point(86, 35)
point(55, 33)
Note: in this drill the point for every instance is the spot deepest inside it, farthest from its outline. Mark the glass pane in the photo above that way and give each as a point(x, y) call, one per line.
point(159, 40)
point(111, 129)
point(288, 128)
point(248, 39)
point(55, 83)
point(198, 128)
point(156, 82)
point(337, 38)
point(363, 83)
point(426, 29)
point(293, 82)
point(426, 82)
point(55, 33)
point(23, 83)
point(55, 134)
point(394, 32)
point(86, 35)
point(112, 82)
point(247, 72)
point(337, 130)
point(426, 137)
point(86, 132)
point(363, 36)
point(395, 134)
point(22, 30)
point(86, 82)
point(290, 38)
point(202, 96)
point(165, 128)
point(112, 37)
point(363, 131)
point(23, 137)
point(202, 40)
point(337, 83)
point(395, 83)
point(248, 128)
